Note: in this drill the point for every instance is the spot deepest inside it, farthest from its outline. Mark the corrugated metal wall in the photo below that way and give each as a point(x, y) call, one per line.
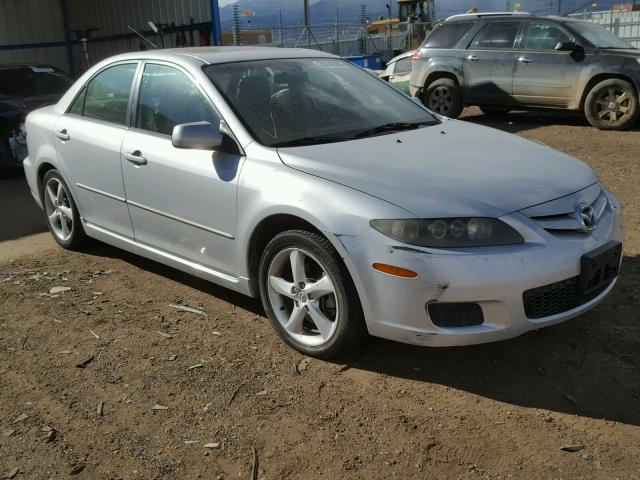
point(40, 23)
point(24, 22)
point(113, 16)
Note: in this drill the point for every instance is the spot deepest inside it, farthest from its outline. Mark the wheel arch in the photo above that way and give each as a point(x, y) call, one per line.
point(594, 80)
point(265, 230)
point(43, 168)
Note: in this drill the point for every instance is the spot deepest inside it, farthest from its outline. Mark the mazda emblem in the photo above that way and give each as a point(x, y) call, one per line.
point(586, 216)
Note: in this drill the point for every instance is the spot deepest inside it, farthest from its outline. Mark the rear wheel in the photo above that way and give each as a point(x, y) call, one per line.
point(62, 216)
point(443, 96)
point(309, 296)
point(612, 105)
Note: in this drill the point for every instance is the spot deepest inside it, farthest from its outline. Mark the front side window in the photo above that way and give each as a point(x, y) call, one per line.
point(107, 94)
point(301, 101)
point(497, 35)
point(545, 36)
point(447, 35)
point(168, 98)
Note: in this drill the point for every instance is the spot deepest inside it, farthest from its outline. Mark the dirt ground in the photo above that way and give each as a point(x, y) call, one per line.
point(187, 396)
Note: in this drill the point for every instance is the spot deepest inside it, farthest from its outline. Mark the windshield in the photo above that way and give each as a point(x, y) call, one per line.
point(32, 81)
point(599, 36)
point(291, 102)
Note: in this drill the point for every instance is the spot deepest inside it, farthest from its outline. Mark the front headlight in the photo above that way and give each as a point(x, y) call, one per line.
point(449, 232)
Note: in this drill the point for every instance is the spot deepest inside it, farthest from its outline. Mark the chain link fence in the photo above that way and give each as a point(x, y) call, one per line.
point(341, 39)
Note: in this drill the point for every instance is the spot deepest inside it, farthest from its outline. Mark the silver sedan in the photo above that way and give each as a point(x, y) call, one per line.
point(344, 205)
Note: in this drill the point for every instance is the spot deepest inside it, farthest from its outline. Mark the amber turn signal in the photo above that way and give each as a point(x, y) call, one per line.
point(392, 270)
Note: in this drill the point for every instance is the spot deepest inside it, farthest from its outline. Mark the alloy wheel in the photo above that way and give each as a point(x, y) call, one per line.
point(303, 296)
point(613, 105)
point(440, 100)
point(58, 208)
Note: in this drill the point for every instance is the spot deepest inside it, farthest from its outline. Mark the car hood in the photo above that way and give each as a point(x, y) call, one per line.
point(453, 169)
point(625, 52)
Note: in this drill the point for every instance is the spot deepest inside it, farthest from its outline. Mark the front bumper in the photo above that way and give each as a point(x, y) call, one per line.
point(495, 278)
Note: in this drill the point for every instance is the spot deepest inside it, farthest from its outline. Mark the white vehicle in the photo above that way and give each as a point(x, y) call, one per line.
point(295, 176)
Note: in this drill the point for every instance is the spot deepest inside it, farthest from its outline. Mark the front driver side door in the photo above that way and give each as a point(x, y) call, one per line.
point(545, 76)
point(181, 201)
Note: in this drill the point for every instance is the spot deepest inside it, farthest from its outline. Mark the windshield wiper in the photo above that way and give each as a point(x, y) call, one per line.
point(392, 127)
point(300, 142)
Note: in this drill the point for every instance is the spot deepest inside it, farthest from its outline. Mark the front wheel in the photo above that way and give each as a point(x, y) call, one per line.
point(443, 96)
point(612, 105)
point(309, 296)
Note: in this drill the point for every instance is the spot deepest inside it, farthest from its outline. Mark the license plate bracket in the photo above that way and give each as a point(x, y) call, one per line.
point(599, 267)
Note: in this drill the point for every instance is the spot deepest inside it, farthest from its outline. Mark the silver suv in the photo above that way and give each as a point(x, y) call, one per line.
point(506, 61)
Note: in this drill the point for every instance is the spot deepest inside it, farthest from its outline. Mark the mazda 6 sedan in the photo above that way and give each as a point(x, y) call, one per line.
point(348, 208)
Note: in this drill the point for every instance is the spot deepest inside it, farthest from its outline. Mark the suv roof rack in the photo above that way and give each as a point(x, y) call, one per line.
point(486, 14)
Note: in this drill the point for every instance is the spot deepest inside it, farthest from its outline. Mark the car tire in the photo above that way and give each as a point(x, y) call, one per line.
point(320, 315)
point(61, 213)
point(612, 105)
point(444, 97)
point(491, 111)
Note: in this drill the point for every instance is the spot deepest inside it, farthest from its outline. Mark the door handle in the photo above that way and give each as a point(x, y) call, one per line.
point(135, 157)
point(62, 134)
point(473, 58)
point(525, 60)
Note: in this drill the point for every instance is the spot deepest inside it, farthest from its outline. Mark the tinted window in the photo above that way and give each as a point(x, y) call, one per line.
point(497, 35)
point(403, 66)
point(77, 107)
point(168, 98)
point(108, 94)
point(544, 36)
point(447, 35)
point(32, 81)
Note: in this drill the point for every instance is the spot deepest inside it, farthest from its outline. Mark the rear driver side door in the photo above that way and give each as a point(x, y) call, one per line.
point(181, 201)
point(489, 63)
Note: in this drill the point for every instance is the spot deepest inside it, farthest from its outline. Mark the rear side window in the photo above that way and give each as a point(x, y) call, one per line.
point(168, 98)
point(447, 35)
point(497, 35)
point(107, 94)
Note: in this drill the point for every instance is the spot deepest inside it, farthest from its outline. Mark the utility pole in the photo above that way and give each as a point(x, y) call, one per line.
point(307, 21)
point(337, 31)
point(216, 30)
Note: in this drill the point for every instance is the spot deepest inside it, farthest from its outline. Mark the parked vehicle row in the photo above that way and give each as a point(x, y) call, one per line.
point(294, 176)
point(502, 62)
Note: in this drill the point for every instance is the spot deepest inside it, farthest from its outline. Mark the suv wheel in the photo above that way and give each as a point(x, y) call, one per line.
point(612, 105)
point(443, 96)
point(309, 296)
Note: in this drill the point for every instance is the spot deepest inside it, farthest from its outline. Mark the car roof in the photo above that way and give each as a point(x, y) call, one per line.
point(212, 55)
point(503, 15)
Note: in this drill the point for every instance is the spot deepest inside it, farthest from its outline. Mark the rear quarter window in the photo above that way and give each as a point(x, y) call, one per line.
point(447, 35)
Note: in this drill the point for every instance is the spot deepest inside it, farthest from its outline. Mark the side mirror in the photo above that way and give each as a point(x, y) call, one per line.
point(566, 46)
point(196, 135)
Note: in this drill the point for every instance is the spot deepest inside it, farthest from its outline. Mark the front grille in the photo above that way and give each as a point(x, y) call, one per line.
point(557, 298)
point(455, 314)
